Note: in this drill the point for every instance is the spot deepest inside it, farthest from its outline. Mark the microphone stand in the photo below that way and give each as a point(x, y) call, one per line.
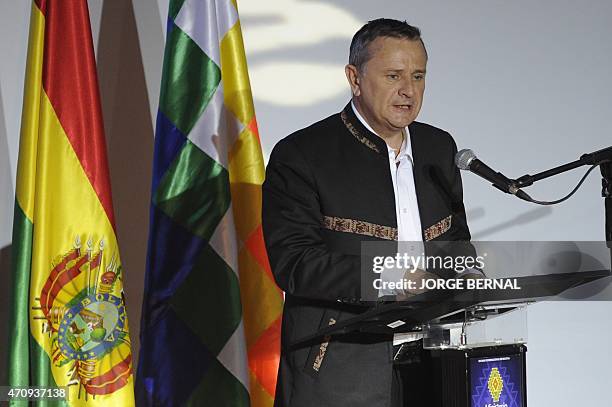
point(603, 158)
point(606, 192)
point(600, 157)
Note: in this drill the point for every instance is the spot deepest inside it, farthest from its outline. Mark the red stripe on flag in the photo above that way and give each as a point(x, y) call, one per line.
point(70, 81)
point(253, 127)
point(42, 5)
point(256, 246)
point(264, 357)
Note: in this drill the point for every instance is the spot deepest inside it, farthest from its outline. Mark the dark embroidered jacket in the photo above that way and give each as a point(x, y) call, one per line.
point(327, 189)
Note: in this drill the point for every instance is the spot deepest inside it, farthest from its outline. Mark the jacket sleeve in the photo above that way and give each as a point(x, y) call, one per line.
point(301, 262)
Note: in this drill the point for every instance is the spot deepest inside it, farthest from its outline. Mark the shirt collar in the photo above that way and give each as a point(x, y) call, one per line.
point(405, 149)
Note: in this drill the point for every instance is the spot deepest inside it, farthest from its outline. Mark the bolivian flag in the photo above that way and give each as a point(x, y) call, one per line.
point(69, 325)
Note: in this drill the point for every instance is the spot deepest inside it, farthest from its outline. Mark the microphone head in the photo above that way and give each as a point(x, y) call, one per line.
point(463, 158)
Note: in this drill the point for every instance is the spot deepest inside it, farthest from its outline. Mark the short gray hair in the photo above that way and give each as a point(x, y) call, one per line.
point(382, 27)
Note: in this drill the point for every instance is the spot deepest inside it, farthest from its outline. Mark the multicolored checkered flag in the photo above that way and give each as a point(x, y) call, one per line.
point(210, 331)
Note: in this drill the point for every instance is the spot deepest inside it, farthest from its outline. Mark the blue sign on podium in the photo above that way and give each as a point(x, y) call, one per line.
point(497, 381)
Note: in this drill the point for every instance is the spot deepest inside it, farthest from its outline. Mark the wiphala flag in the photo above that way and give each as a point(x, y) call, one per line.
point(211, 313)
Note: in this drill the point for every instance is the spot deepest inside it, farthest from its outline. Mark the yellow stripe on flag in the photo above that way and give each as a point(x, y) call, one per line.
point(26, 167)
point(235, 77)
point(259, 396)
point(256, 284)
point(245, 160)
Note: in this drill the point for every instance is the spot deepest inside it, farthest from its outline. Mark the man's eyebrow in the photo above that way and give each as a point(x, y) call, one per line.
point(394, 70)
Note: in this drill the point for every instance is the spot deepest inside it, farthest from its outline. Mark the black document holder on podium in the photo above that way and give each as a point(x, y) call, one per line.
point(441, 366)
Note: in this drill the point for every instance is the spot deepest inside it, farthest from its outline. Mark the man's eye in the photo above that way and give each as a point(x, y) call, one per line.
point(393, 76)
point(419, 77)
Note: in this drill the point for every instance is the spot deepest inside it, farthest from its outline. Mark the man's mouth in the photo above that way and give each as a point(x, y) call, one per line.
point(403, 107)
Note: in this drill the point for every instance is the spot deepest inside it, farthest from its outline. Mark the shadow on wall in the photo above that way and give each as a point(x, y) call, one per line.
point(6, 216)
point(129, 135)
point(522, 219)
point(5, 281)
point(6, 183)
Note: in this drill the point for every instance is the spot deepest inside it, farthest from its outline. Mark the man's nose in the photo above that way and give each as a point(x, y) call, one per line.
point(407, 88)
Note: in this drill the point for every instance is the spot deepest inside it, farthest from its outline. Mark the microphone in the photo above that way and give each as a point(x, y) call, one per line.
point(466, 160)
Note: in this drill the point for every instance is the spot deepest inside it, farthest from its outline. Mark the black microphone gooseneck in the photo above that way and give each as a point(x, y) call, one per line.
point(466, 160)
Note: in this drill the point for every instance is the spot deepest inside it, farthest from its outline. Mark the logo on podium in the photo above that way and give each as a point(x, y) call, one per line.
point(495, 384)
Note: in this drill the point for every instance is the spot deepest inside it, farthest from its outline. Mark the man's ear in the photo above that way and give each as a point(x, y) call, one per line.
point(352, 75)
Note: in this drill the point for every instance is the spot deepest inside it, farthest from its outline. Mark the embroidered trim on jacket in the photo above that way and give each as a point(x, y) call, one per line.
point(438, 228)
point(359, 227)
point(323, 348)
point(356, 134)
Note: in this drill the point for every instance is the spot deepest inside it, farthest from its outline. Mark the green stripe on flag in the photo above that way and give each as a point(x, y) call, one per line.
point(188, 82)
point(208, 301)
point(29, 364)
point(174, 7)
point(19, 326)
point(219, 388)
point(194, 191)
point(41, 374)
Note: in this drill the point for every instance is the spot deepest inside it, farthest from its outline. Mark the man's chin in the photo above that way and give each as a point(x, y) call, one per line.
point(401, 124)
point(403, 120)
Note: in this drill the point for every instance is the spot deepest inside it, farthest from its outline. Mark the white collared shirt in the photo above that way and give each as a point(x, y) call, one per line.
point(406, 205)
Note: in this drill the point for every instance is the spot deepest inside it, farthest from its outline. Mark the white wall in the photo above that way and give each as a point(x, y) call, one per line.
point(525, 84)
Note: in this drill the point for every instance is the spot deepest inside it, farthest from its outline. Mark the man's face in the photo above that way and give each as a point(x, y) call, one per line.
point(388, 91)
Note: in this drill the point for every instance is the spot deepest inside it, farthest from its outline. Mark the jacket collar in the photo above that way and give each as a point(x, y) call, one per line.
point(360, 132)
point(365, 136)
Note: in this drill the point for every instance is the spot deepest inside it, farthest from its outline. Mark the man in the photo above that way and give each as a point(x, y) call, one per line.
point(369, 173)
